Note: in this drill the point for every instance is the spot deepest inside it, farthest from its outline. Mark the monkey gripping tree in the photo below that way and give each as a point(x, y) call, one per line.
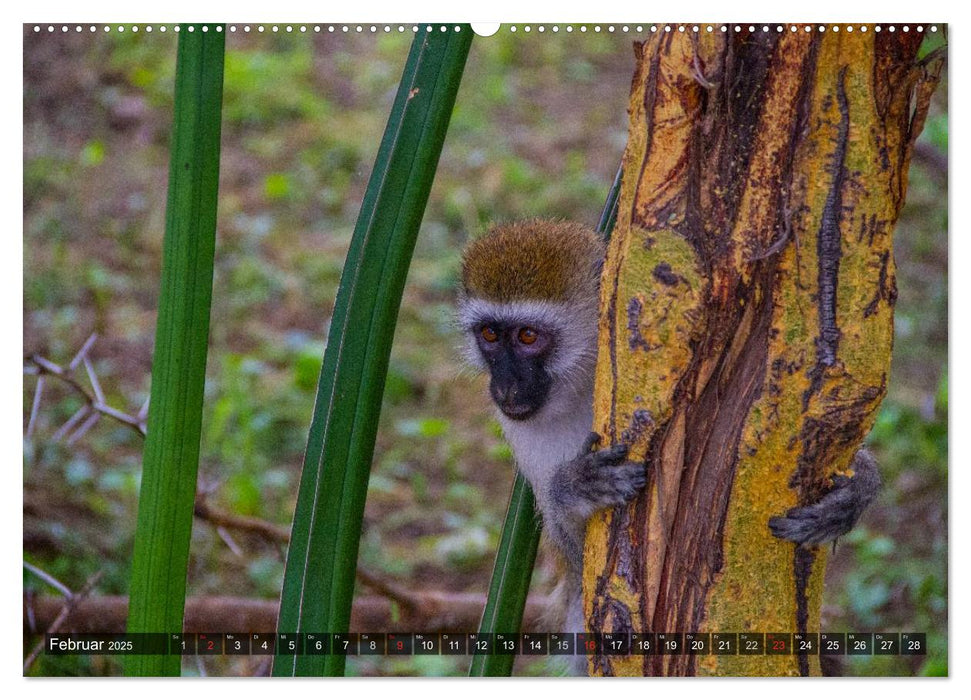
point(746, 322)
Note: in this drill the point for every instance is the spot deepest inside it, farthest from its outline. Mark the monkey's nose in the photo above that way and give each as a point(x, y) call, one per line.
point(507, 399)
point(502, 394)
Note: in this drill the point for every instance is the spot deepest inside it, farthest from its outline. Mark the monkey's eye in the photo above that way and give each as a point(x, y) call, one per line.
point(489, 334)
point(527, 336)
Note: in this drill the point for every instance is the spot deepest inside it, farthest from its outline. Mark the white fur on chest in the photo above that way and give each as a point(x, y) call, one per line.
point(550, 439)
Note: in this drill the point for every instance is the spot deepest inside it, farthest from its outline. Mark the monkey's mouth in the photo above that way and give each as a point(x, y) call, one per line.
point(517, 412)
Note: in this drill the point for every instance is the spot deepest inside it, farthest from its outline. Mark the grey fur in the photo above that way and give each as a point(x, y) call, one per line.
point(837, 512)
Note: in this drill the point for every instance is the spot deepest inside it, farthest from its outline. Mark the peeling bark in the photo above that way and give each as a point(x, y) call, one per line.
point(746, 323)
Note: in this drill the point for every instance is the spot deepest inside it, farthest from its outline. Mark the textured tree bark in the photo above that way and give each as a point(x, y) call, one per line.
point(746, 322)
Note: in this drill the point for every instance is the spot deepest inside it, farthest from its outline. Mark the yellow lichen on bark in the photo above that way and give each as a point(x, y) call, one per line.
point(746, 324)
point(652, 355)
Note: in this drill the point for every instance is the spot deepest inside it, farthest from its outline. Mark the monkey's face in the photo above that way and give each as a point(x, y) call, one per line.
point(516, 356)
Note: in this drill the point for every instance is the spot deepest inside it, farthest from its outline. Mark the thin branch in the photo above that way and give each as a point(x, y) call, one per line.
point(221, 518)
point(71, 600)
point(120, 416)
point(95, 406)
point(48, 579)
point(230, 542)
point(30, 620)
point(83, 352)
point(34, 407)
point(94, 399)
point(143, 411)
point(388, 589)
point(71, 422)
point(85, 427)
point(93, 378)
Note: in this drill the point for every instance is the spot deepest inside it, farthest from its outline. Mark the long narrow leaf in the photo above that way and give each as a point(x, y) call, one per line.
point(608, 216)
point(319, 580)
point(521, 529)
point(511, 575)
point(171, 454)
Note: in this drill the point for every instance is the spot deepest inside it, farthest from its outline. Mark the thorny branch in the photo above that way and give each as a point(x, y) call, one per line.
point(71, 599)
point(95, 404)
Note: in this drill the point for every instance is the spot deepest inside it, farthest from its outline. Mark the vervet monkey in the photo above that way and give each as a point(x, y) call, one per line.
point(529, 306)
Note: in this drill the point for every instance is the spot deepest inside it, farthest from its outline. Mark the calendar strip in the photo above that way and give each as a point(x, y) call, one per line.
point(462, 644)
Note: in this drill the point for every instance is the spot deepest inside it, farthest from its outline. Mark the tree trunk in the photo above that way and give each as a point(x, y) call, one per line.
point(746, 322)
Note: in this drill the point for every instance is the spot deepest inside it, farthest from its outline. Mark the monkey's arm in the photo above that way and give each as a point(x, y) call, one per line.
point(595, 479)
point(837, 512)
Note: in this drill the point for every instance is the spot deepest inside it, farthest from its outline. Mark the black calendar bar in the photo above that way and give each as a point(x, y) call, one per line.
point(530, 643)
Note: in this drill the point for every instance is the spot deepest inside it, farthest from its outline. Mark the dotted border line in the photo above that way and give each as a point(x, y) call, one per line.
point(555, 28)
point(695, 28)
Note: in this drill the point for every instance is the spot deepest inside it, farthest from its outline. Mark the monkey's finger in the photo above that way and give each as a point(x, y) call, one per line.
point(798, 531)
point(617, 485)
point(814, 524)
point(637, 474)
point(777, 525)
point(613, 454)
point(592, 439)
point(840, 481)
point(804, 512)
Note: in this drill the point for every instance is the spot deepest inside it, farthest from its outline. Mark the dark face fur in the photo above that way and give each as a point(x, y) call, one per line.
point(516, 356)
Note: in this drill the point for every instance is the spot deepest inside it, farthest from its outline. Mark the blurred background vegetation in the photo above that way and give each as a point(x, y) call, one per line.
point(539, 129)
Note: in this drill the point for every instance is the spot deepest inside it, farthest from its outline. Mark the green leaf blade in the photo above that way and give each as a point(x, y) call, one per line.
point(171, 456)
point(321, 561)
point(511, 575)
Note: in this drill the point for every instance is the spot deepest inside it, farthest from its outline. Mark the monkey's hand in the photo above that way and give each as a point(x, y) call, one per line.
point(595, 479)
point(837, 512)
